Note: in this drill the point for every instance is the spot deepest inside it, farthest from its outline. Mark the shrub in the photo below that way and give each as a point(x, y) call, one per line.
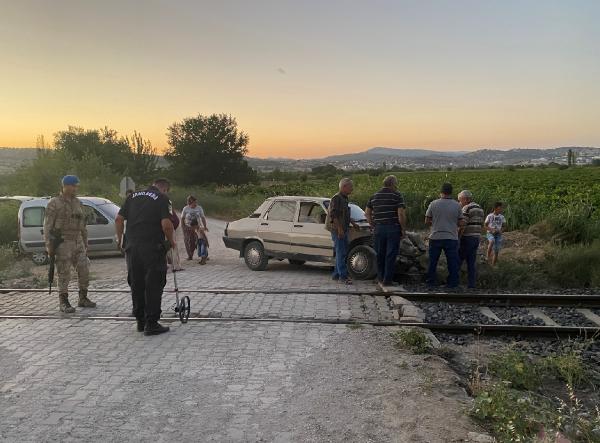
point(412, 339)
point(574, 224)
point(516, 407)
point(575, 266)
point(516, 368)
point(42, 176)
point(7, 257)
point(8, 222)
point(10, 265)
point(513, 415)
point(568, 367)
point(512, 275)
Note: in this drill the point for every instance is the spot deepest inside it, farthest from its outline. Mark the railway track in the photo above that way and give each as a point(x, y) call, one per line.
point(484, 305)
point(501, 299)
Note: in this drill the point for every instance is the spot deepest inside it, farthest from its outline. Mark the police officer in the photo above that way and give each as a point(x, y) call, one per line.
point(65, 219)
point(150, 235)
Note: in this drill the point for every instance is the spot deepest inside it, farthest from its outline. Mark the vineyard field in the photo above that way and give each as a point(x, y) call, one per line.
point(566, 199)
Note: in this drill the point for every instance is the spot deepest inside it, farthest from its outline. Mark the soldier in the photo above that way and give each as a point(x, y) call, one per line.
point(148, 216)
point(65, 219)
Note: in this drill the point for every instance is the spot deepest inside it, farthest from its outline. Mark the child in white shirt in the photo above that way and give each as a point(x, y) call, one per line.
point(494, 225)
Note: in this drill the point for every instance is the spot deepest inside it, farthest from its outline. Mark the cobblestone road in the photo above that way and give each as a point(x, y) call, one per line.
point(97, 380)
point(224, 270)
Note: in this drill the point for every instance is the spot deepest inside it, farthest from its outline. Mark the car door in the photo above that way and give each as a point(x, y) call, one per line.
point(101, 232)
point(309, 236)
point(275, 227)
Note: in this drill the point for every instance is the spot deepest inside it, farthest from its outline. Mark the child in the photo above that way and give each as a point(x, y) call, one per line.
point(202, 241)
point(494, 225)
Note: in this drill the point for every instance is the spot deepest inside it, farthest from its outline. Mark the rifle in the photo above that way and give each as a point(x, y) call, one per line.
point(55, 240)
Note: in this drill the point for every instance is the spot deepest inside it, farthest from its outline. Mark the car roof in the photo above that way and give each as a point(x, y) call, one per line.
point(43, 201)
point(298, 197)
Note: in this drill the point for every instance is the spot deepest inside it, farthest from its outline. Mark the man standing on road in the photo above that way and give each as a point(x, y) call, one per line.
point(339, 215)
point(385, 213)
point(470, 235)
point(150, 235)
point(64, 219)
point(445, 216)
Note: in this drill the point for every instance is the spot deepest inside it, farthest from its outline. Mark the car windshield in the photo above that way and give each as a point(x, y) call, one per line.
point(109, 209)
point(356, 213)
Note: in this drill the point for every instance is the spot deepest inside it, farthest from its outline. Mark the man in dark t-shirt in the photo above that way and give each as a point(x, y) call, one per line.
point(150, 235)
point(339, 213)
point(385, 213)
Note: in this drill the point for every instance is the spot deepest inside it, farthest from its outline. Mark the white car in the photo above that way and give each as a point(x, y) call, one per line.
point(100, 214)
point(293, 228)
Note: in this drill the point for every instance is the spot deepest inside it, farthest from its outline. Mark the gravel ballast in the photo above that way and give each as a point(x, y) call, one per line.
point(449, 314)
point(568, 317)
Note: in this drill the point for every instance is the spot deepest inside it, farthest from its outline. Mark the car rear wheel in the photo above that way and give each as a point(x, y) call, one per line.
point(255, 257)
point(40, 258)
point(362, 262)
point(296, 262)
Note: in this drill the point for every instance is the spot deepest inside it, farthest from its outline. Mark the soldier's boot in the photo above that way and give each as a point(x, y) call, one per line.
point(64, 305)
point(84, 301)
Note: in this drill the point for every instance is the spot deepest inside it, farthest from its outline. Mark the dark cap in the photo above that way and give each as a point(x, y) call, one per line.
point(447, 188)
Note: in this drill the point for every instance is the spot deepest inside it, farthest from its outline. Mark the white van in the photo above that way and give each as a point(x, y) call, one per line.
point(100, 214)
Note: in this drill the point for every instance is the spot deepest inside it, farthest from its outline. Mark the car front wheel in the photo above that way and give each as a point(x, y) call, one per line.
point(362, 262)
point(255, 257)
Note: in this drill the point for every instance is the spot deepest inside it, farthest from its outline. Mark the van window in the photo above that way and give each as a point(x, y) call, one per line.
point(33, 217)
point(93, 217)
point(282, 211)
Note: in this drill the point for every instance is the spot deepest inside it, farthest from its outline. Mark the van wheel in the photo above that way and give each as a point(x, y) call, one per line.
point(296, 262)
point(362, 262)
point(255, 257)
point(40, 258)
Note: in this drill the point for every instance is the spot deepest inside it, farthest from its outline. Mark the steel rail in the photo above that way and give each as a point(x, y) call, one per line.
point(461, 329)
point(503, 299)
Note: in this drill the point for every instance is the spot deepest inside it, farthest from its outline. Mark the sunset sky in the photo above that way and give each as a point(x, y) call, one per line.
point(307, 78)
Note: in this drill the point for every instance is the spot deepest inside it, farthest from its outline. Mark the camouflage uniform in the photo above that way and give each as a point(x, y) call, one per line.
point(65, 216)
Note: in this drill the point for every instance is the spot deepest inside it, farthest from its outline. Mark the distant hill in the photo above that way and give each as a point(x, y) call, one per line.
point(411, 158)
point(382, 154)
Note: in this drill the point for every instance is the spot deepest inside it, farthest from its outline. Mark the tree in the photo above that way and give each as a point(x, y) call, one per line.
point(135, 157)
point(79, 143)
point(144, 161)
point(40, 142)
point(209, 149)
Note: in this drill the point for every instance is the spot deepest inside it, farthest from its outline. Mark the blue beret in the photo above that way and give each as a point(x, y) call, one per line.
point(70, 180)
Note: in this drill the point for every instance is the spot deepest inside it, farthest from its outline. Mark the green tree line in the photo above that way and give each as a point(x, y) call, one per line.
point(202, 150)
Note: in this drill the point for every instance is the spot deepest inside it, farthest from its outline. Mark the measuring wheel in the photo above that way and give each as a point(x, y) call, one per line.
point(184, 309)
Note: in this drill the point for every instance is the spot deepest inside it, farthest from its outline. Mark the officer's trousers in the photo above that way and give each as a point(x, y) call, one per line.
point(147, 276)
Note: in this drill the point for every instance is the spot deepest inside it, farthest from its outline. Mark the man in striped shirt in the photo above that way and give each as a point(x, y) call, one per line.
point(470, 234)
point(385, 213)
